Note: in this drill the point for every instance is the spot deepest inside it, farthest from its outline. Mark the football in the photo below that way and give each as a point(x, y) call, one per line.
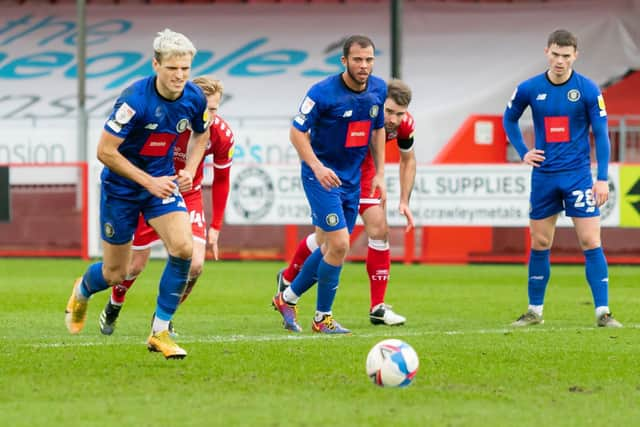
point(392, 363)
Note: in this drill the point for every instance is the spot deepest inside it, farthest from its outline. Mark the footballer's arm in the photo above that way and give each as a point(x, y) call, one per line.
point(196, 149)
point(108, 154)
point(302, 143)
point(407, 179)
point(378, 141)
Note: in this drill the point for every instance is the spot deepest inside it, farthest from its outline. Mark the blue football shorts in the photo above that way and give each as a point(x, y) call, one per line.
point(333, 209)
point(119, 214)
point(571, 191)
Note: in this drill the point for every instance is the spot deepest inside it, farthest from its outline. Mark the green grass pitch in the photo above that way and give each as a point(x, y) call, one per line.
point(243, 369)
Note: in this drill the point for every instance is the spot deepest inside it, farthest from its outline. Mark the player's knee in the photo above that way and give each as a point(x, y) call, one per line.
point(114, 275)
point(379, 232)
point(589, 242)
point(196, 269)
point(541, 241)
point(136, 267)
point(339, 248)
point(182, 250)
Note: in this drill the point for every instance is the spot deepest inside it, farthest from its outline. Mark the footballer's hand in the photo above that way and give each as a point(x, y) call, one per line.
point(404, 210)
point(327, 177)
point(162, 186)
point(185, 180)
point(212, 240)
point(377, 183)
point(534, 157)
point(600, 192)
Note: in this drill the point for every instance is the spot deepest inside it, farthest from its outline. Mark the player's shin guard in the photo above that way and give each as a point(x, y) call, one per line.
point(308, 274)
point(597, 273)
point(305, 248)
point(378, 264)
point(328, 279)
point(93, 281)
point(539, 272)
point(172, 284)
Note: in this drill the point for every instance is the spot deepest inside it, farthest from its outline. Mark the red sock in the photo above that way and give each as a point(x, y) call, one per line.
point(302, 253)
point(378, 264)
point(119, 291)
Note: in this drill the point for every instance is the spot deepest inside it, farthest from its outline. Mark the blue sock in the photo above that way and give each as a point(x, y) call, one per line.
point(328, 279)
point(93, 280)
point(597, 273)
point(172, 284)
point(539, 272)
point(308, 275)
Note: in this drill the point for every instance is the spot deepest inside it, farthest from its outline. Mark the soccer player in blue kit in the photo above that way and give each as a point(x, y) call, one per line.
point(136, 148)
point(340, 119)
point(564, 105)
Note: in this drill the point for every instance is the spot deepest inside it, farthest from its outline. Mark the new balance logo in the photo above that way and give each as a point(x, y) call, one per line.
point(348, 113)
point(536, 277)
point(541, 97)
point(151, 126)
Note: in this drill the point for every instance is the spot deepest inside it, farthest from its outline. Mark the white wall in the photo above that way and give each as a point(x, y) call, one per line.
point(459, 58)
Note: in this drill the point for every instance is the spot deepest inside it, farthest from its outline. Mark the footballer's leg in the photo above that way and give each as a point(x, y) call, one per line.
point(174, 229)
point(305, 248)
point(111, 311)
point(596, 268)
point(539, 270)
point(378, 263)
point(98, 277)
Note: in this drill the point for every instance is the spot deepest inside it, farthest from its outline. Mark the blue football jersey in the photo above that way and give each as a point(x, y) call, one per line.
point(562, 115)
point(340, 122)
point(150, 125)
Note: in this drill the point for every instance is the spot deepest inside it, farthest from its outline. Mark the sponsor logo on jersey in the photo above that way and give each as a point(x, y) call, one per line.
point(332, 220)
point(182, 125)
point(300, 119)
point(157, 144)
point(348, 113)
point(557, 129)
point(573, 95)
point(358, 134)
point(373, 112)
point(151, 126)
point(601, 105)
point(307, 105)
point(115, 126)
point(541, 97)
point(124, 114)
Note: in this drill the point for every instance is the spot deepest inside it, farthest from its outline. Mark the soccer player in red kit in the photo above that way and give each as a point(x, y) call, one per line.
point(399, 127)
point(221, 148)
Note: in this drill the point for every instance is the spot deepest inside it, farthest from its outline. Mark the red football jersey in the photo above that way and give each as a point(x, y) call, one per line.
point(220, 146)
point(403, 137)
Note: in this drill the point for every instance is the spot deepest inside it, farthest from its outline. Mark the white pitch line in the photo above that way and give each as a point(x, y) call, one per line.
point(216, 339)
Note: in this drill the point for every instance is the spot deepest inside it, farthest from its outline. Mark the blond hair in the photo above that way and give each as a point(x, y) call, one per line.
point(170, 43)
point(209, 85)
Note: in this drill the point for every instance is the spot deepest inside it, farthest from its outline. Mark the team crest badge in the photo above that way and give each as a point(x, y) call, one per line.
point(108, 230)
point(573, 95)
point(182, 125)
point(373, 112)
point(331, 220)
